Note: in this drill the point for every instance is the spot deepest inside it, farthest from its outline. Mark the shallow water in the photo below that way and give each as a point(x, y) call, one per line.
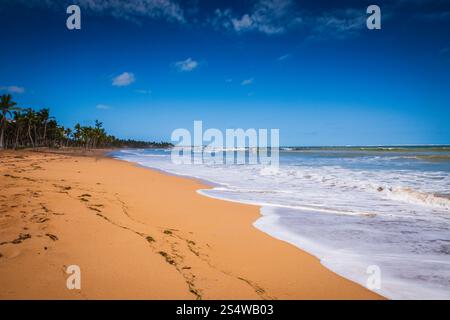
point(350, 207)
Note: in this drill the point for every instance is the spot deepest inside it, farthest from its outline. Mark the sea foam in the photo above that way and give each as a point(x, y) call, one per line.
point(351, 209)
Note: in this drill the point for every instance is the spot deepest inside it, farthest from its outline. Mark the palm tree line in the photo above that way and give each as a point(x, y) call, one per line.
point(27, 128)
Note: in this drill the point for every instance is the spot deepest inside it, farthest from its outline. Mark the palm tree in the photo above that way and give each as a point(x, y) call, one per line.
point(67, 134)
point(44, 118)
point(18, 120)
point(6, 106)
point(77, 134)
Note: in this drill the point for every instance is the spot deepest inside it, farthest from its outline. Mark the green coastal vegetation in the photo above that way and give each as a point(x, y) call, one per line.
point(29, 128)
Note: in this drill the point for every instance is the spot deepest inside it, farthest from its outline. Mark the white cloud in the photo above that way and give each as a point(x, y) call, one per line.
point(284, 57)
point(186, 65)
point(221, 19)
point(102, 107)
point(243, 23)
point(13, 89)
point(247, 82)
point(266, 16)
point(125, 79)
point(142, 91)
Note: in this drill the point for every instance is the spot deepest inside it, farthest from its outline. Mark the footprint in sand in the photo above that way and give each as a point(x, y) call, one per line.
point(22, 237)
point(42, 220)
point(10, 253)
point(52, 236)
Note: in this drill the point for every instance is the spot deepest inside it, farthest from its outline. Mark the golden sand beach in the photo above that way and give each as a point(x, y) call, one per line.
point(136, 233)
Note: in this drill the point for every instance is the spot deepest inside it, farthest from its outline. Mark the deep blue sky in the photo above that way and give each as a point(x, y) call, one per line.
point(313, 69)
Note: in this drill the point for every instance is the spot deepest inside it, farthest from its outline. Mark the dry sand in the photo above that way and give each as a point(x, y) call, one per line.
point(140, 234)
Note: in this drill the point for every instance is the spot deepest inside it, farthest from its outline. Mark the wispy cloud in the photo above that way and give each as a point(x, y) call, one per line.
point(125, 79)
point(270, 17)
point(143, 91)
point(243, 23)
point(266, 16)
point(102, 107)
point(284, 57)
point(338, 24)
point(186, 65)
point(275, 17)
point(131, 10)
point(247, 82)
point(13, 89)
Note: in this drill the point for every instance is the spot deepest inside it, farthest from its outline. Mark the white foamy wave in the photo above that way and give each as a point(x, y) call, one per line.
point(225, 194)
point(417, 197)
point(350, 211)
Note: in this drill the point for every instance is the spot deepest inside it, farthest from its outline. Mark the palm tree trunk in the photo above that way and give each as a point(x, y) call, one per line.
point(36, 136)
point(29, 135)
point(2, 132)
point(16, 142)
point(45, 133)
